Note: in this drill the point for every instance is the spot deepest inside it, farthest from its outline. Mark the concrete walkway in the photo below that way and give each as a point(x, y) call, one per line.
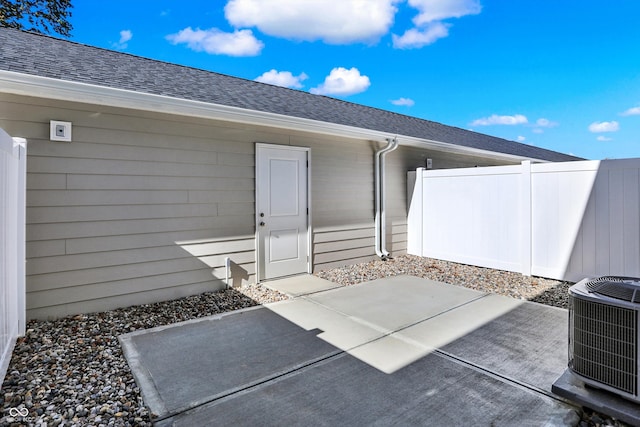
point(399, 350)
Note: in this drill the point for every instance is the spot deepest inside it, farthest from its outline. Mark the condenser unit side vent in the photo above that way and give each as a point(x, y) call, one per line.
point(605, 347)
point(603, 333)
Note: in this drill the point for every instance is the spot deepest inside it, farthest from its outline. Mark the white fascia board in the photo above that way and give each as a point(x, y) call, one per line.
point(45, 87)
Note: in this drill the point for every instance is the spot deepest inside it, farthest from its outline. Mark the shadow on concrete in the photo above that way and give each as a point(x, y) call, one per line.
point(255, 366)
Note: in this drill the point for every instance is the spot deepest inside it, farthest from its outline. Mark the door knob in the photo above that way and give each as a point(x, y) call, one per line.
point(262, 223)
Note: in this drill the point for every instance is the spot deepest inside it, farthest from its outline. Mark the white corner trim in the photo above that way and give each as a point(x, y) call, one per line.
point(46, 87)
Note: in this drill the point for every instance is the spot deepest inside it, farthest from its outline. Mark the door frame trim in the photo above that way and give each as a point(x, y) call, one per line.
point(259, 261)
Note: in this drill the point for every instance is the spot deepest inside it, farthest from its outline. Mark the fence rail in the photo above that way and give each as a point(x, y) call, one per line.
point(564, 221)
point(12, 245)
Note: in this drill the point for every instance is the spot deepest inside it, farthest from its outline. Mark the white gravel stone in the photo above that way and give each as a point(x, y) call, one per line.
point(545, 291)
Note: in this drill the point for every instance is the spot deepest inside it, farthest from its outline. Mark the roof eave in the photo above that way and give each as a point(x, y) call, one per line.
point(64, 90)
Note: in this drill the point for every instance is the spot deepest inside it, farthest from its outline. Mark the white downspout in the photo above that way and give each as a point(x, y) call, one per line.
point(380, 216)
point(383, 194)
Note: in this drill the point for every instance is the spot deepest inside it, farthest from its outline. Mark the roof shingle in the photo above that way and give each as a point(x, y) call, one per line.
point(47, 56)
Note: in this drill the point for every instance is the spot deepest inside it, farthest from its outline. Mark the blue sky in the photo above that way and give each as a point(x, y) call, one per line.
point(563, 75)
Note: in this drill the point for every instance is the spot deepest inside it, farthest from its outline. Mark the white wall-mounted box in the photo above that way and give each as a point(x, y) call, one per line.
point(60, 131)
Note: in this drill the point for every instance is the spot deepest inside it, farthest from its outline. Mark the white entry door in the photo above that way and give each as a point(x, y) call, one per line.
point(282, 218)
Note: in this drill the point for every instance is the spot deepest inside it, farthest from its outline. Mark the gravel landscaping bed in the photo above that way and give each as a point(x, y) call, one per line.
point(71, 371)
point(515, 285)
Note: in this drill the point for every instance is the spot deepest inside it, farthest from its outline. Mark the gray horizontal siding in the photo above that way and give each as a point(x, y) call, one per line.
point(143, 207)
point(49, 164)
point(131, 297)
point(213, 253)
point(336, 247)
point(342, 201)
point(138, 208)
point(104, 275)
point(108, 228)
point(70, 295)
point(340, 245)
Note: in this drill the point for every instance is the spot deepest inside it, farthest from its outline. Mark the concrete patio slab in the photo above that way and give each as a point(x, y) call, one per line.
point(396, 302)
point(409, 344)
point(452, 325)
point(345, 392)
point(390, 353)
point(300, 285)
point(336, 329)
point(355, 320)
point(187, 364)
point(528, 344)
point(393, 351)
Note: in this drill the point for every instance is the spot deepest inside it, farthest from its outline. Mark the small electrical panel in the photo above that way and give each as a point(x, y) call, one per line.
point(60, 131)
point(429, 164)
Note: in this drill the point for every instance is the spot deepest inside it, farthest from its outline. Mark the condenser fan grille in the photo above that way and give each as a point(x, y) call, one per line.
point(622, 288)
point(604, 343)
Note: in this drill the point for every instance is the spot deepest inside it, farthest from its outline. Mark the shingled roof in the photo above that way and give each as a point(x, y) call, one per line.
point(46, 56)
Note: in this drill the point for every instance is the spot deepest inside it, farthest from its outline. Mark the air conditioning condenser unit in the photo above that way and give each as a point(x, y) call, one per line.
point(603, 333)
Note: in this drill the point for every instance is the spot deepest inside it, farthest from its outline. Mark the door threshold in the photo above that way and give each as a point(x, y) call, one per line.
point(301, 284)
point(273, 279)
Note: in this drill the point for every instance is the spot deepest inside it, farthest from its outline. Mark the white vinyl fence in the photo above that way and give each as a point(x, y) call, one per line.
point(13, 160)
point(564, 221)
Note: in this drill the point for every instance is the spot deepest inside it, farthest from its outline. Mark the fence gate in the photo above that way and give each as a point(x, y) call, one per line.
point(13, 161)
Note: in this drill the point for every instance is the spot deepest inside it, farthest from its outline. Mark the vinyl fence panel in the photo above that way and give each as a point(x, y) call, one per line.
point(607, 241)
point(12, 245)
point(472, 216)
point(564, 221)
point(560, 195)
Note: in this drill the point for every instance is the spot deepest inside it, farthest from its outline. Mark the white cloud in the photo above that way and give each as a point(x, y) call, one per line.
point(343, 82)
point(635, 111)
point(542, 124)
point(494, 119)
point(125, 36)
point(546, 123)
point(335, 22)
point(417, 38)
point(521, 138)
point(603, 138)
point(282, 78)
point(428, 23)
point(597, 127)
point(214, 41)
point(439, 10)
point(348, 21)
point(407, 102)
